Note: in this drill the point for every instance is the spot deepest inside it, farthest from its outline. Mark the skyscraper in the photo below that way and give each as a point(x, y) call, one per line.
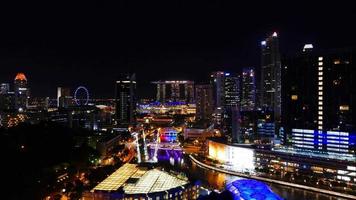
point(218, 82)
point(204, 102)
point(4, 88)
point(319, 100)
point(63, 97)
point(125, 99)
point(270, 85)
point(231, 90)
point(248, 97)
point(178, 91)
point(21, 92)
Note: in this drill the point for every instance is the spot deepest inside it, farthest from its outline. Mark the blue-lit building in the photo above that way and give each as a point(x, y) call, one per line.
point(319, 100)
point(251, 190)
point(265, 128)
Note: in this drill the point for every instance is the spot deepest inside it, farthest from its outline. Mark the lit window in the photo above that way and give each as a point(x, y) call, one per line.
point(320, 88)
point(320, 107)
point(320, 93)
point(336, 62)
point(320, 127)
point(320, 83)
point(294, 97)
point(320, 98)
point(320, 113)
point(320, 117)
point(320, 58)
point(320, 68)
point(320, 122)
point(320, 73)
point(320, 63)
point(320, 78)
point(320, 103)
point(344, 108)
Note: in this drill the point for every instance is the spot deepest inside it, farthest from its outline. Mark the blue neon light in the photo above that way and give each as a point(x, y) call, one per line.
point(251, 190)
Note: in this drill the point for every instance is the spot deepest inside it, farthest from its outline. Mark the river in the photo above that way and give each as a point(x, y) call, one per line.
point(216, 180)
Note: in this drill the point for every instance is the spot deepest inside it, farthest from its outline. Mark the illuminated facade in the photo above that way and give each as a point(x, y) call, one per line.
point(170, 108)
point(168, 135)
point(248, 94)
point(142, 183)
point(175, 91)
point(319, 97)
point(232, 96)
point(327, 172)
point(251, 190)
point(204, 102)
point(238, 157)
point(22, 92)
point(4, 88)
point(270, 88)
point(330, 141)
point(64, 99)
point(217, 81)
point(126, 99)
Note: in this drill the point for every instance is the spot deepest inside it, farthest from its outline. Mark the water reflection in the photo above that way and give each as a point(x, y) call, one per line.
point(215, 180)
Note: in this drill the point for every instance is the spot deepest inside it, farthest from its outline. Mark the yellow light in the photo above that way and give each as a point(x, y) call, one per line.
point(344, 108)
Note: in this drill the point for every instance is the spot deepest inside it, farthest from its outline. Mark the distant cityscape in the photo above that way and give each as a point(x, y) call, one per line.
point(280, 130)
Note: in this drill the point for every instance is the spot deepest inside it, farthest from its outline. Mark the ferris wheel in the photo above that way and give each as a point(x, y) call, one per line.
point(81, 96)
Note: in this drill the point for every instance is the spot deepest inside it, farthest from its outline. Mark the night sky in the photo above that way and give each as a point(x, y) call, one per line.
point(58, 43)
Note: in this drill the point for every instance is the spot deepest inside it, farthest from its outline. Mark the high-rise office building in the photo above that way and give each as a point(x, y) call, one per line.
point(248, 94)
point(231, 90)
point(232, 124)
point(204, 102)
point(270, 85)
point(21, 92)
point(7, 101)
point(218, 82)
point(319, 100)
point(125, 99)
point(4, 88)
point(64, 98)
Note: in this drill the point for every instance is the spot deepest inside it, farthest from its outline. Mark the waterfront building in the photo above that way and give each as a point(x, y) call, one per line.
point(134, 182)
point(319, 100)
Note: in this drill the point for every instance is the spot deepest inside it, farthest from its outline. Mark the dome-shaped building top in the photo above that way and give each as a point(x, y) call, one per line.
point(20, 77)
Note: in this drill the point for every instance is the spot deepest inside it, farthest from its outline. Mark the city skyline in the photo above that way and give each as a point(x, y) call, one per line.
point(178, 100)
point(95, 52)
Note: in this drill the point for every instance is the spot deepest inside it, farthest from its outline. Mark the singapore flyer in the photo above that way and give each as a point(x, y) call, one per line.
point(81, 96)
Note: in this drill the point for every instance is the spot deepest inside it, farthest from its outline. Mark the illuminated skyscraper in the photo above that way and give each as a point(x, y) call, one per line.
point(4, 88)
point(319, 100)
point(270, 85)
point(63, 97)
point(231, 90)
point(204, 102)
point(125, 99)
point(248, 99)
point(218, 82)
point(21, 92)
